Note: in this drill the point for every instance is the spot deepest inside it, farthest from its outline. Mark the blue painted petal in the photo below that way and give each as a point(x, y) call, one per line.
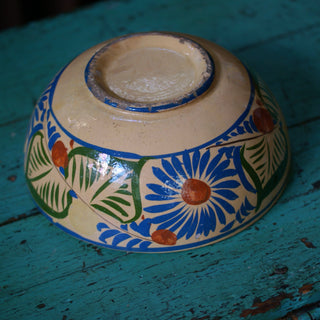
point(187, 163)
point(212, 223)
point(204, 161)
point(195, 161)
point(165, 178)
point(162, 207)
point(228, 226)
point(170, 170)
point(177, 165)
point(43, 113)
point(170, 223)
point(228, 194)
point(247, 126)
point(101, 226)
point(207, 222)
point(132, 243)
point(243, 210)
point(230, 184)
point(219, 169)
point(202, 222)
point(193, 227)
point(156, 188)
point(240, 130)
point(145, 244)
point(222, 166)
point(227, 173)
point(227, 151)
point(73, 194)
point(248, 205)
point(40, 104)
point(165, 217)
point(53, 139)
point(238, 217)
point(61, 169)
point(213, 163)
point(124, 227)
point(185, 228)
point(108, 234)
point(226, 205)
point(142, 228)
point(158, 197)
point(119, 238)
point(239, 168)
point(220, 214)
point(51, 129)
point(179, 223)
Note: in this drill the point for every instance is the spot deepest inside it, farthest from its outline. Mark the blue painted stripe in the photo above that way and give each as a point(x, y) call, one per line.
point(130, 155)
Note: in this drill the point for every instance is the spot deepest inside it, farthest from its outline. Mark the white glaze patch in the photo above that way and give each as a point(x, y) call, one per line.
point(151, 74)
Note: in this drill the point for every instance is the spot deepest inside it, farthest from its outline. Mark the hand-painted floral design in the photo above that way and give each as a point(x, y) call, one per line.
point(161, 202)
point(195, 192)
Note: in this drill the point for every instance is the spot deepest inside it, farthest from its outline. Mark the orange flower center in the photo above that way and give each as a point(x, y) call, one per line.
point(195, 191)
point(59, 154)
point(263, 120)
point(164, 236)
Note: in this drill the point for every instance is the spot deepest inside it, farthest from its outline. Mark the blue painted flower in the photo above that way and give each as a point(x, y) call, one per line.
point(194, 192)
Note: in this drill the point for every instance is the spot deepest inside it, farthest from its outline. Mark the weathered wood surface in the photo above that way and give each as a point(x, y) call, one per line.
point(269, 271)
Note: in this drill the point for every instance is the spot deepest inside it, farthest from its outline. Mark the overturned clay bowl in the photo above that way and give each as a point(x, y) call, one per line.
point(156, 142)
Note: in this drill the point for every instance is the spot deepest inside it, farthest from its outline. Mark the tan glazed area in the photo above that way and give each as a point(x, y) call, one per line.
point(156, 142)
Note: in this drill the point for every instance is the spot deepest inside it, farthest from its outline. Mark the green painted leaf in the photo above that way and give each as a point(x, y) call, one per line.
point(254, 176)
point(120, 200)
point(267, 167)
point(266, 155)
point(51, 194)
point(87, 175)
point(108, 184)
point(116, 207)
point(81, 177)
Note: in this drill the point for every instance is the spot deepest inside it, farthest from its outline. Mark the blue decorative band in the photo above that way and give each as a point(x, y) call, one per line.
point(129, 155)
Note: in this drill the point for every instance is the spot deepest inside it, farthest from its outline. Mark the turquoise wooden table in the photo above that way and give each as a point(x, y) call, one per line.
point(269, 271)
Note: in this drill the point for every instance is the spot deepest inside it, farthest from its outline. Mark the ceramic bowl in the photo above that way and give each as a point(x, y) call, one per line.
point(156, 142)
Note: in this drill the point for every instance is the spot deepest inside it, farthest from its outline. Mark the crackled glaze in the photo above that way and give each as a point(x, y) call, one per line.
point(185, 165)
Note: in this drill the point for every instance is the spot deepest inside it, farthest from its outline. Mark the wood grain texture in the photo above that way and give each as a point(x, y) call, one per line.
point(265, 272)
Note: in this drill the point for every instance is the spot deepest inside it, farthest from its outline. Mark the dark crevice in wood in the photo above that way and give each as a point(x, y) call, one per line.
point(301, 311)
point(276, 37)
point(31, 213)
point(295, 196)
point(8, 123)
point(294, 125)
point(84, 269)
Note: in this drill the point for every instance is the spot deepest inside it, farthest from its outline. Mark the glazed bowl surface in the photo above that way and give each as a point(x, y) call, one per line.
point(156, 142)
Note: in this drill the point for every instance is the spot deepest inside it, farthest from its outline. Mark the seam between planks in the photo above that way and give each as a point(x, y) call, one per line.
point(276, 37)
point(83, 269)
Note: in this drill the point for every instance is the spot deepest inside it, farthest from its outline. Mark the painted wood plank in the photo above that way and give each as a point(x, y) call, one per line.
point(56, 273)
